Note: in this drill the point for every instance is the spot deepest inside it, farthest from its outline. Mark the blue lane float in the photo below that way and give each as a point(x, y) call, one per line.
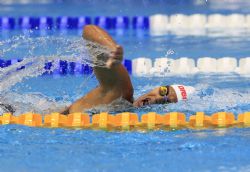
point(141, 22)
point(121, 22)
point(104, 22)
point(72, 22)
point(35, 23)
point(75, 68)
point(43, 23)
point(5, 63)
point(82, 21)
point(157, 22)
point(128, 65)
point(63, 67)
point(65, 22)
point(68, 22)
point(25, 23)
point(7, 23)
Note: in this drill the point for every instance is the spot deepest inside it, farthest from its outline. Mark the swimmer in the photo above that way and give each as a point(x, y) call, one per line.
point(115, 82)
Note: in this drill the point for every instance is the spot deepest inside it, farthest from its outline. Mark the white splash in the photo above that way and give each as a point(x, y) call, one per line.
point(35, 53)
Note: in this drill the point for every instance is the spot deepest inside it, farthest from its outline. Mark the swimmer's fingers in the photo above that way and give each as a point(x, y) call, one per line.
point(115, 57)
point(118, 51)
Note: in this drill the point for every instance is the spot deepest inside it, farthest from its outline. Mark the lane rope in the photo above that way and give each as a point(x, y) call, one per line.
point(157, 22)
point(129, 121)
point(143, 66)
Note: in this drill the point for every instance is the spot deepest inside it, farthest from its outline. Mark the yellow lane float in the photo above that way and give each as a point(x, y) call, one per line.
point(128, 121)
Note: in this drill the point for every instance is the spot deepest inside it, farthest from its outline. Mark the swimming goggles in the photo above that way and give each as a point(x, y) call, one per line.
point(164, 90)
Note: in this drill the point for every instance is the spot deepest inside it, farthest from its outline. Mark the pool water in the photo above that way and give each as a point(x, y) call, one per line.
point(33, 149)
point(42, 149)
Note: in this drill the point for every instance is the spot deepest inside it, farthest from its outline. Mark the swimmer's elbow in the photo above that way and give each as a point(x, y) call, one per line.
point(87, 29)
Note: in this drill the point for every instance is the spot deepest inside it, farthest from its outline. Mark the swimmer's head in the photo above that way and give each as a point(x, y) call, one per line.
point(165, 94)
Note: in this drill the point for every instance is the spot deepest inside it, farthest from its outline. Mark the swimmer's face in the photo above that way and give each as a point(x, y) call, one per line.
point(154, 97)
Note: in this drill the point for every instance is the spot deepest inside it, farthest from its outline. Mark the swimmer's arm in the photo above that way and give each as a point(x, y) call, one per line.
point(107, 76)
point(114, 79)
point(114, 76)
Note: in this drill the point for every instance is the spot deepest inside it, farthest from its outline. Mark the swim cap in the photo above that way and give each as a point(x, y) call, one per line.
point(183, 92)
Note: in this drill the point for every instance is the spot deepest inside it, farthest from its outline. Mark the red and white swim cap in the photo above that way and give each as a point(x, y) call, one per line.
point(183, 92)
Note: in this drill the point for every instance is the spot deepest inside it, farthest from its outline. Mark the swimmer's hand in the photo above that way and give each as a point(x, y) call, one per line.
point(115, 57)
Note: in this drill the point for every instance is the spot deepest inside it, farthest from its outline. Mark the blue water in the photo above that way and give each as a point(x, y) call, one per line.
point(41, 149)
point(32, 149)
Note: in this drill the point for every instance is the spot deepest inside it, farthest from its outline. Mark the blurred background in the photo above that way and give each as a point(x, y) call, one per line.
point(120, 7)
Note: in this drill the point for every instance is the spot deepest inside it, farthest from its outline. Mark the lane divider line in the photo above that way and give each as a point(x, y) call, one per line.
point(157, 22)
point(127, 121)
point(143, 66)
